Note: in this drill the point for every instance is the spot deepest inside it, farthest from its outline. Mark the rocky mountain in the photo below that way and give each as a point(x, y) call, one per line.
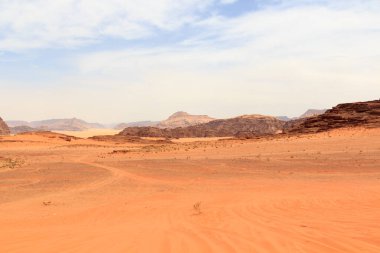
point(183, 119)
point(73, 124)
point(136, 124)
point(178, 119)
point(312, 112)
point(366, 114)
point(4, 129)
point(15, 123)
point(22, 129)
point(283, 118)
point(243, 126)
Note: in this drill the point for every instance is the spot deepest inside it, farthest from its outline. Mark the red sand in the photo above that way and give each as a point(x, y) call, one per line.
point(312, 193)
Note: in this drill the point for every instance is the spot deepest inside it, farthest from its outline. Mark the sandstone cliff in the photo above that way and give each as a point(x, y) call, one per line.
point(183, 119)
point(243, 126)
point(366, 114)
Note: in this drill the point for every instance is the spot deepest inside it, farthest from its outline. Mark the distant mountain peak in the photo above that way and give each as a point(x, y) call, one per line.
point(312, 112)
point(183, 119)
point(70, 124)
point(178, 114)
point(254, 116)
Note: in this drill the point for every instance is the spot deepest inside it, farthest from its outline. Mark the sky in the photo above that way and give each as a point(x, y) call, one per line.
point(125, 60)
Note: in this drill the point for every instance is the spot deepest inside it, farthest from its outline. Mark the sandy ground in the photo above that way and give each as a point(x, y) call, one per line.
point(312, 193)
point(90, 132)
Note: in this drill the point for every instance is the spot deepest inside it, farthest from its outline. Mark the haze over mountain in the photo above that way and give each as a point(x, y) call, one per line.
point(72, 124)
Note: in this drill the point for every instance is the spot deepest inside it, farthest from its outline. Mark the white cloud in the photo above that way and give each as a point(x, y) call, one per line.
point(42, 23)
point(272, 61)
point(319, 55)
point(228, 1)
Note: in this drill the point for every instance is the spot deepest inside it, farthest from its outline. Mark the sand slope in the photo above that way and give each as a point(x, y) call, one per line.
point(311, 193)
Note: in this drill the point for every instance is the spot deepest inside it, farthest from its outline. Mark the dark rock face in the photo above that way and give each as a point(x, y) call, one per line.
point(366, 114)
point(4, 129)
point(293, 124)
point(244, 126)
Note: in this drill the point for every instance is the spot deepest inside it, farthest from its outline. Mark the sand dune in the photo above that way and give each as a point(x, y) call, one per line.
point(308, 193)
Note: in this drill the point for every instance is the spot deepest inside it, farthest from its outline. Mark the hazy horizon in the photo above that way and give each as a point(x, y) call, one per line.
point(124, 61)
point(153, 120)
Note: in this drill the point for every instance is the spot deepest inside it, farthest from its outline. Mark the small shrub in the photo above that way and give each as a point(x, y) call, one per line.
point(197, 208)
point(10, 163)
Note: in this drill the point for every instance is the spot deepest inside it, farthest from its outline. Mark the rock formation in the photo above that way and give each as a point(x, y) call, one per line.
point(4, 129)
point(244, 126)
point(183, 119)
point(136, 124)
point(22, 129)
point(178, 119)
point(366, 114)
point(312, 112)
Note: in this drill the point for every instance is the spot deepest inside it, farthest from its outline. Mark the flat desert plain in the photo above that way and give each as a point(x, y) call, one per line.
point(307, 193)
point(90, 132)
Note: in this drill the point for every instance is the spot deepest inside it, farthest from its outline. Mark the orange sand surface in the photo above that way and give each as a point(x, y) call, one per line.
point(310, 193)
point(90, 132)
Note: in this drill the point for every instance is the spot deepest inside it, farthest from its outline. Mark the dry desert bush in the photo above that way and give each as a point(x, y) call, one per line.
point(10, 163)
point(197, 208)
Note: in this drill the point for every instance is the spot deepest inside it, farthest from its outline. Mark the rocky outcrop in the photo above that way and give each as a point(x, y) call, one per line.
point(22, 129)
point(136, 124)
point(183, 119)
point(312, 112)
point(246, 126)
point(283, 118)
point(4, 129)
point(178, 119)
point(293, 124)
point(365, 114)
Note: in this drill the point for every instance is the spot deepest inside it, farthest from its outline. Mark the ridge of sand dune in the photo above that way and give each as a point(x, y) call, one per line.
point(304, 193)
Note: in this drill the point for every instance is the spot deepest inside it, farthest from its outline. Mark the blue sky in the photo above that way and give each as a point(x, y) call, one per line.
point(124, 60)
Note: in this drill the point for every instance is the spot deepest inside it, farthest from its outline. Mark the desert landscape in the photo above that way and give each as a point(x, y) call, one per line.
point(313, 191)
point(189, 126)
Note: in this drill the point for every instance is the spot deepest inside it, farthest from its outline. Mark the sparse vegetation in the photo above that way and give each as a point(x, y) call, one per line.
point(10, 163)
point(197, 208)
point(120, 151)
